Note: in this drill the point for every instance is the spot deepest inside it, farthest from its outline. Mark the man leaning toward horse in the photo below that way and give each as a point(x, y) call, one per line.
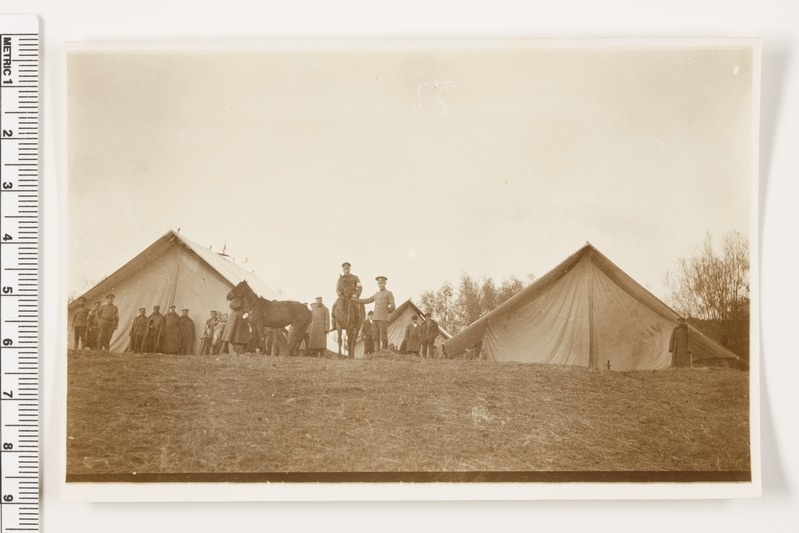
point(384, 305)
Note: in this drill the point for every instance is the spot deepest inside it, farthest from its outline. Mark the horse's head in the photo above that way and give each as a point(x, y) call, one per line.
point(239, 290)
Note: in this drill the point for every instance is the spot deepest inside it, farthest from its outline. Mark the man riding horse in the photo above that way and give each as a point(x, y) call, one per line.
point(348, 286)
point(347, 315)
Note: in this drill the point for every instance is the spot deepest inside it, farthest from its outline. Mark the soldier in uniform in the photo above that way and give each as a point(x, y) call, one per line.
point(155, 327)
point(138, 332)
point(384, 305)
point(680, 345)
point(108, 319)
point(348, 286)
point(186, 333)
point(317, 331)
point(170, 341)
point(79, 320)
point(429, 334)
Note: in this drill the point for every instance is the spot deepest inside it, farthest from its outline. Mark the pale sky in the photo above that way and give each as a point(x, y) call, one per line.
point(417, 165)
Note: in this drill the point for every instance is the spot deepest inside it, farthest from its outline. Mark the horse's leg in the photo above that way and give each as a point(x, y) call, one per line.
point(351, 338)
point(300, 327)
point(338, 338)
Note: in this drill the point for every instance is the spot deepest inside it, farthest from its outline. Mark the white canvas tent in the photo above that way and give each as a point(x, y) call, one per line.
point(397, 323)
point(585, 312)
point(172, 271)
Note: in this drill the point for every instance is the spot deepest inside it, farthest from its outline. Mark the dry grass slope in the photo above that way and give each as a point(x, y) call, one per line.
point(250, 413)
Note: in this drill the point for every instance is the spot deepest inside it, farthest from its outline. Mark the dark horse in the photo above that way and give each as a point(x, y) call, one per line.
point(348, 317)
point(275, 314)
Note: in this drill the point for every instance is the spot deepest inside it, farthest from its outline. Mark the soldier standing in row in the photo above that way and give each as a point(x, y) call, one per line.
point(170, 341)
point(108, 320)
point(138, 332)
point(79, 320)
point(186, 333)
point(155, 327)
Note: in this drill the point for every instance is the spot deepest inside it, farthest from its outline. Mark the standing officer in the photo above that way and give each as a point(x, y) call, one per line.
point(384, 304)
point(108, 319)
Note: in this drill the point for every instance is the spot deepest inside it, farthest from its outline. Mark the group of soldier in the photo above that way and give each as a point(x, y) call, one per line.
point(157, 333)
point(171, 333)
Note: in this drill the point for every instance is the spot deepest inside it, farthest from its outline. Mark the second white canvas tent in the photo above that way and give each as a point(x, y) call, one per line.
point(584, 312)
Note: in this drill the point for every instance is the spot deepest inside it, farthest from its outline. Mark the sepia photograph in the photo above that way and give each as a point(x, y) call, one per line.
point(424, 262)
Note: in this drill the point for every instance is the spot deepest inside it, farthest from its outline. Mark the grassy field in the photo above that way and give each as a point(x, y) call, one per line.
point(250, 413)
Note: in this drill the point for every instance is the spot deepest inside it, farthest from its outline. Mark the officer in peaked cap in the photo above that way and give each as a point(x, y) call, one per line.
point(384, 305)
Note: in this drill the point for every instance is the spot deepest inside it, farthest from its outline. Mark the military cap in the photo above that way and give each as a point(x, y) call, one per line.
point(142, 309)
point(381, 278)
point(185, 309)
point(110, 296)
point(156, 308)
point(345, 264)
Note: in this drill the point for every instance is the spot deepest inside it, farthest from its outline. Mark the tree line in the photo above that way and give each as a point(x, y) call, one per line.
point(455, 307)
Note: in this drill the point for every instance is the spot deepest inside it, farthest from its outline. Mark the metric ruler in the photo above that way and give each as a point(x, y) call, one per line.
point(19, 273)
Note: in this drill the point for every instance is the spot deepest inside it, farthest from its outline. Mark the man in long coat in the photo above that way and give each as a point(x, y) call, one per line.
point(413, 336)
point(429, 334)
point(317, 331)
point(186, 333)
point(138, 332)
point(680, 345)
point(237, 330)
point(171, 339)
point(155, 330)
point(368, 334)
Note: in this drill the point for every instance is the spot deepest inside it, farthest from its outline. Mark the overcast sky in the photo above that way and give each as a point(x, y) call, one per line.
point(417, 165)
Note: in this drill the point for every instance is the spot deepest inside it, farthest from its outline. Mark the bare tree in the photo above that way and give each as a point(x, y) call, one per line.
point(714, 288)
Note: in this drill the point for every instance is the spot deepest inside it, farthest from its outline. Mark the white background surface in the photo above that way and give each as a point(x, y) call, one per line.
point(774, 21)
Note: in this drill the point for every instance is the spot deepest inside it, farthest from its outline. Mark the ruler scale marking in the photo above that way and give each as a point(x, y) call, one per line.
point(19, 278)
